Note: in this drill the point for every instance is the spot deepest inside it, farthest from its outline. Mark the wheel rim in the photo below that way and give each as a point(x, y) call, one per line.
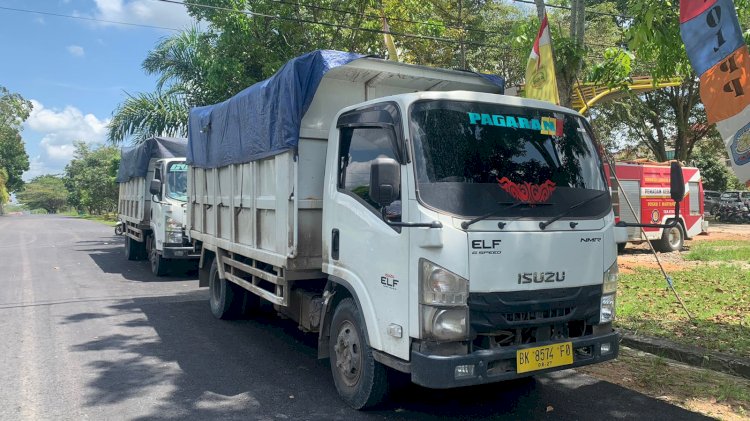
point(674, 238)
point(348, 353)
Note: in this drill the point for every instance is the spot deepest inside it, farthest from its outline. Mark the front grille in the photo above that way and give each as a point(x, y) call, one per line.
point(545, 315)
point(500, 311)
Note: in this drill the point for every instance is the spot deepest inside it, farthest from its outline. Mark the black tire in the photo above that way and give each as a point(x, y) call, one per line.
point(621, 247)
point(133, 249)
point(671, 240)
point(159, 265)
point(361, 381)
point(225, 298)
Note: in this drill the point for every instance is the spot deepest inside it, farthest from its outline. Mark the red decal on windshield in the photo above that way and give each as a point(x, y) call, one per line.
point(527, 192)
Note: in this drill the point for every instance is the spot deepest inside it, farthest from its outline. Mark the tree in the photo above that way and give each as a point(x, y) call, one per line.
point(14, 110)
point(44, 192)
point(4, 194)
point(90, 179)
point(670, 118)
point(181, 62)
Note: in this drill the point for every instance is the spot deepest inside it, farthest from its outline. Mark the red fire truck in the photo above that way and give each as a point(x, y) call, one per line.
point(646, 185)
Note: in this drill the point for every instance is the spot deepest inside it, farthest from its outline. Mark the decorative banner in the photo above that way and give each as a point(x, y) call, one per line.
point(736, 134)
point(711, 35)
point(714, 44)
point(540, 70)
point(724, 87)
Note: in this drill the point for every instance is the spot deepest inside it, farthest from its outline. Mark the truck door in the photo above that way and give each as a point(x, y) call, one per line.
point(366, 252)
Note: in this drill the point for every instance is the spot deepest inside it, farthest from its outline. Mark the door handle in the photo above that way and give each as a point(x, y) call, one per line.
point(335, 244)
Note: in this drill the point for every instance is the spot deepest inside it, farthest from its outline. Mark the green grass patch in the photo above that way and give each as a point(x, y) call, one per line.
point(718, 297)
point(107, 219)
point(724, 251)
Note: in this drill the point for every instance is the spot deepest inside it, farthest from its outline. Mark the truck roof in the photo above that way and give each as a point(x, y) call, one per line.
point(135, 159)
point(266, 118)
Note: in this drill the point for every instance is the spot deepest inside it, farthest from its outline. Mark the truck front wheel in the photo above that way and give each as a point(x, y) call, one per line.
point(225, 297)
point(159, 265)
point(360, 380)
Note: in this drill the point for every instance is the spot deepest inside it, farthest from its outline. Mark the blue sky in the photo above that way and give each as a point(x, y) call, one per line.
point(76, 71)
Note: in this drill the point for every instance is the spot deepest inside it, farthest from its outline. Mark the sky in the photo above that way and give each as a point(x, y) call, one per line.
point(76, 71)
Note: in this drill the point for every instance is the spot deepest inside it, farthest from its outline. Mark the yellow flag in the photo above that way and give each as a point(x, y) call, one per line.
point(388, 40)
point(540, 71)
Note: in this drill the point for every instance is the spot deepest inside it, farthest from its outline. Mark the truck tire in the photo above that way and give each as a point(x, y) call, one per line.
point(671, 240)
point(621, 247)
point(159, 265)
point(225, 297)
point(133, 249)
point(361, 381)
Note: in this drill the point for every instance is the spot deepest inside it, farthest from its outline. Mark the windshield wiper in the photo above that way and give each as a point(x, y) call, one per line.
point(545, 224)
point(467, 224)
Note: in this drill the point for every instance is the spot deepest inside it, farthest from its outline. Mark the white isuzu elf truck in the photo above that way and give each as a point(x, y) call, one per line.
point(415, 219)
point(152, 200)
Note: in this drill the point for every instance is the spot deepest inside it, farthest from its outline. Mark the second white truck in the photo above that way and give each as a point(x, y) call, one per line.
point(415, 219)
point(153, 194)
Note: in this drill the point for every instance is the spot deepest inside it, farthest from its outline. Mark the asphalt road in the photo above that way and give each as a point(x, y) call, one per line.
point(85, 334)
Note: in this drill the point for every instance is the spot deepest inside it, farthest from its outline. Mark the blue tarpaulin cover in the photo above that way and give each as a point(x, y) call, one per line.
point(135, 159)
point(264, 119)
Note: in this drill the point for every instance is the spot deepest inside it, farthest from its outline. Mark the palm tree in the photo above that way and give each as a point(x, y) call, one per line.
point(182, 63)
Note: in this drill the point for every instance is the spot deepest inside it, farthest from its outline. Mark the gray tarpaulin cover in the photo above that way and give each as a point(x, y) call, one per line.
point(135, 159)
point(264, 119)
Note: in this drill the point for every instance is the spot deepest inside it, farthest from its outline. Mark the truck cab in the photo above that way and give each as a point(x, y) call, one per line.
point(167, 240)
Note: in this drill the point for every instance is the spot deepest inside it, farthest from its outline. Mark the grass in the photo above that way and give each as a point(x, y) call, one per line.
point(724, 251)
point(107, 219)
point(718, 297)
point(709, 392)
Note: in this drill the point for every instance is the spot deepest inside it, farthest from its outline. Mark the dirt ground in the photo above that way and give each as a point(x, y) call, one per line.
point(639, 255)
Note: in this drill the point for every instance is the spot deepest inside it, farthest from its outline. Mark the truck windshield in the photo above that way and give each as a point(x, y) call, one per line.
point(177, 181)
point(471, 157)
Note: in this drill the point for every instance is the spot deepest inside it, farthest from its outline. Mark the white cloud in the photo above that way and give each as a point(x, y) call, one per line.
point(76, 50)
point(60, 128)
point(38, 166)
point(40, 20)
point(144, 12)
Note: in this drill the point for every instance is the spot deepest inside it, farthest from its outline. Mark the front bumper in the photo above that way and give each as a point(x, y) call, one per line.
point(438, 372)
point(179, 252)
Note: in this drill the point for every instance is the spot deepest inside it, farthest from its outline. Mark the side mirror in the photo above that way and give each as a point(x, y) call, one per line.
point(676, 182)
point(385, 181)
point(155, 187)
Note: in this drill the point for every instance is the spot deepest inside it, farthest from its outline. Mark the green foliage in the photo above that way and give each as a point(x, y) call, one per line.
point(4, 193)
point(149, 114)
point(716, 175)
point(14, 110)
point(44, 192)
point(615, 69)
point(90, 179)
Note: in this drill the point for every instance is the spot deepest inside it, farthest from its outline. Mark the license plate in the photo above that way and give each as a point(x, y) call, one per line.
point(541, 357)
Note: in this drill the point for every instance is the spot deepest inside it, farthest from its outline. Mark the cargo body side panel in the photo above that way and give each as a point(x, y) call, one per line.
point(253, 210)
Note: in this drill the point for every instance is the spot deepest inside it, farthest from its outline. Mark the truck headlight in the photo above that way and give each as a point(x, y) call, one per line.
point(173, 231)
point(440, 286)
point(446, 324)
point(443, 309)
point(610, 279)
point(609, 292)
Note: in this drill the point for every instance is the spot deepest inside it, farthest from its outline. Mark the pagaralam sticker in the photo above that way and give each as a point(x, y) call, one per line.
point(545, 125)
